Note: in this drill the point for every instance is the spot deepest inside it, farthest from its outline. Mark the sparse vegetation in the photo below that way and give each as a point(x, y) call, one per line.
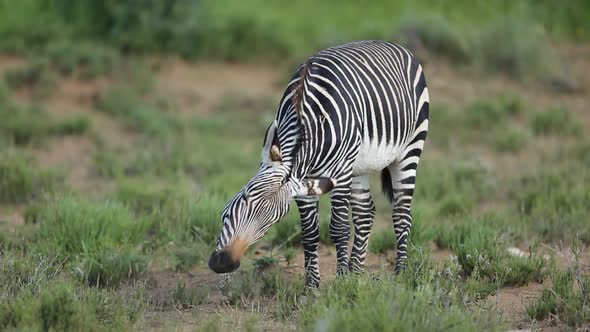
point(568, 301)
point(556, 121)
point(117, 235)
point(97, 238)
point(20, 180)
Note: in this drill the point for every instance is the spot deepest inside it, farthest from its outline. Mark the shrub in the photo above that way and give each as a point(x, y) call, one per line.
point(20, 181)
point(124, 103)
point(35, 75)
point(62, 306)
point(523, 51)
point(569, 298)
point(188, 220)
point(99, 238)
point(110, 267)
point(436, 34)
point(24, 125)
point(381, 241)
point(91, 59)
point(188, 257)
point(184, 298)
point(510, 139)
point(553, 201)
point(350, 304)
point(555, 121)
point(481, 251)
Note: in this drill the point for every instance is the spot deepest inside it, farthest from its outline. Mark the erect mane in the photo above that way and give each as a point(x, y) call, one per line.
point(297, 100)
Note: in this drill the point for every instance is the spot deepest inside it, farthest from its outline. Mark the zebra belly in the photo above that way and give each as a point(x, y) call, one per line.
point(373, 157)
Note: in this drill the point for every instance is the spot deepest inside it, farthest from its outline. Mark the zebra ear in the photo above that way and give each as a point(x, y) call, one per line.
point(319, 186)
point(275, 149)
point(271, 151)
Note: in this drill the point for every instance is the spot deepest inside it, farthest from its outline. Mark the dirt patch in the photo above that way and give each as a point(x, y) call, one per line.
point(10, 62)
point(512, 302)
point(198, 87)
point(72, 156)
point(233, 317)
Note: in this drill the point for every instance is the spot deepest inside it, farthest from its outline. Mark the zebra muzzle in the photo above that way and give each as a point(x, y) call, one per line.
point(228, 259)
point(222, 262)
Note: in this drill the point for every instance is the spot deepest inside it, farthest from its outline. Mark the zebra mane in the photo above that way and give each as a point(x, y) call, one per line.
point(297, 98)
point(297, 101)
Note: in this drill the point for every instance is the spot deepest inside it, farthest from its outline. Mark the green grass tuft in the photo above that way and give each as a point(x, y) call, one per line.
point(20, 181)
point(98, 238)
point(555, 121)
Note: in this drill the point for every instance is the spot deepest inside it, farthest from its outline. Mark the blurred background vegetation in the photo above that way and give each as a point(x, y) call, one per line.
point(126, 126)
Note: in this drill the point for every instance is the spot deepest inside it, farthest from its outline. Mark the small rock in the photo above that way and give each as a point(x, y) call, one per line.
point(517, 252)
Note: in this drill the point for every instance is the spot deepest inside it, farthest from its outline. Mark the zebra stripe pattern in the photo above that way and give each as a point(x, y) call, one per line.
point(348, 111)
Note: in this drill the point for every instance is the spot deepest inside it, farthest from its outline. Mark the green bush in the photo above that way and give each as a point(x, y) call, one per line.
point(511, 139)
point(98, 238)
point(30, 125)
point(110, 267)
point(187, 257)
point(436, 34)
point(482, 251)
point(124, 102)
point(20, 181)
point(555, 121)
point(382, 241)
point(36, 75)
point(60, 306)
point(189, 220)
point(512, 45)
point(90, 59)
point(553, 201)
point(148, 194)
point(184, 298)
point(350, 304)
point(568, 299)
point(452, 187)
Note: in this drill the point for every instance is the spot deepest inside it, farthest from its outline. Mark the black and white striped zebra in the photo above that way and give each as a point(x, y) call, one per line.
point(348, 111)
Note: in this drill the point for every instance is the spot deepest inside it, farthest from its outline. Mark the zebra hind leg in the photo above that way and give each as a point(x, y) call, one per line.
point(308, 210)
point(398, 182)
point(363, 215)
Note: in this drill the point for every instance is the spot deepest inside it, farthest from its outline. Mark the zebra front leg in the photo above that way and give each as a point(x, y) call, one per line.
point(308, 210)
point(339, 225)
point(363, 215)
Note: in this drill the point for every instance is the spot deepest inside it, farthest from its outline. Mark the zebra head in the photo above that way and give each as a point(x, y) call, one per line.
point(262, 202)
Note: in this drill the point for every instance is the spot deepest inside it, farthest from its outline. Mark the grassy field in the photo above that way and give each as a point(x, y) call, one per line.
point(117, 155)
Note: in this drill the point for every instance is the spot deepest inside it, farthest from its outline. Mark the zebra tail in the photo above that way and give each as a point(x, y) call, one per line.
point(386, 184)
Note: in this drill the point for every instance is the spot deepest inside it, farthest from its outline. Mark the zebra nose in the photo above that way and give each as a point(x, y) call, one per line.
point(222, 262)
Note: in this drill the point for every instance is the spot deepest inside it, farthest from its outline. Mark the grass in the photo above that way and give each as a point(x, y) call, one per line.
point(482, 251)
point(511, 140)
point(461, 31)
point(34, 296)
point(88, 59)
point(568, 301)
point(125, 103)
point(184, 298)
point(553, 201)
point(80, 260)
point(36, 76)
point(390, 305)
point(21, 181)
point(32, 125)
point(99, 239)
point(555, 121)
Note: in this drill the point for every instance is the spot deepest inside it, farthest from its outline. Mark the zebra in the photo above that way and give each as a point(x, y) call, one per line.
point(348, 111)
